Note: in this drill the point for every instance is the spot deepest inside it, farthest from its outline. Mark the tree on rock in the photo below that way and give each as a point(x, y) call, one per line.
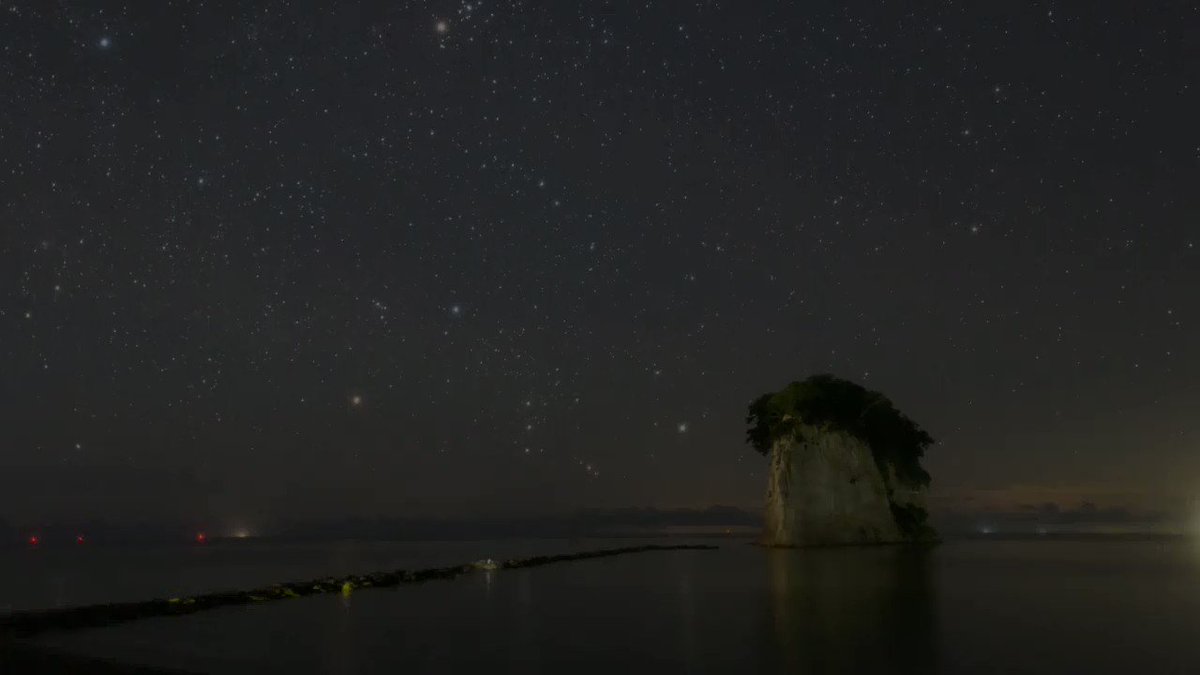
point(845, 465)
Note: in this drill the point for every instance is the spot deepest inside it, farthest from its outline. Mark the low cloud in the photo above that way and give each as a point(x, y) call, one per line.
point(1056, 517)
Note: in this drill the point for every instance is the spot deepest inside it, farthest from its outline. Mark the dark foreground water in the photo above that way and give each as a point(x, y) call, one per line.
point(1041, 606)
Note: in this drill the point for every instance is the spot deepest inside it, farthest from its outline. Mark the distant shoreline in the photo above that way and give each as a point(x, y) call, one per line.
point(728, 534)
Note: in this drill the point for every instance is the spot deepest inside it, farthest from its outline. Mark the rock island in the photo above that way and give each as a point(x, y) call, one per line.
point(844, 466)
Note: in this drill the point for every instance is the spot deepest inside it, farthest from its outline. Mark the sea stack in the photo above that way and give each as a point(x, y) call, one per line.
point(844, 466)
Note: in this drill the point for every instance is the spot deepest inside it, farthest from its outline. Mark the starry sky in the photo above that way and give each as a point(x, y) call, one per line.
point(451, 258)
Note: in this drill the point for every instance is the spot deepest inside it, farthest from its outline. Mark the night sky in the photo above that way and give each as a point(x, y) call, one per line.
point(300, 260)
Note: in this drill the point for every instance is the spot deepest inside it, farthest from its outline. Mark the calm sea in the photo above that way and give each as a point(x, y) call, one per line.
point(983, 606)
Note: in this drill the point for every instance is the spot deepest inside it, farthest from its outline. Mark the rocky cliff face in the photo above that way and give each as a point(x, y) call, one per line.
point(825, 488)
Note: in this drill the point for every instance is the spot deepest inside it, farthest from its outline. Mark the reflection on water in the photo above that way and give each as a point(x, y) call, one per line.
point(1095, 607)
point(854, 610)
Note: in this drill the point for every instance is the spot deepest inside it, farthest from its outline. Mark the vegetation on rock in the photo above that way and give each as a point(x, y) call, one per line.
point(913, 522)
point(831, 403)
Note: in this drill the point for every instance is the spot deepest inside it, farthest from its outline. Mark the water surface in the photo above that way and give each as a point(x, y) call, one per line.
point(1046, 606)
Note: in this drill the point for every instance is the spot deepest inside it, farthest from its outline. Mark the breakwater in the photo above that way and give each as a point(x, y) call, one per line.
point(25, 624)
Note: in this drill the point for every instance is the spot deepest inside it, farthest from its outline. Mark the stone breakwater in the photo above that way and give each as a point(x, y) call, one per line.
point(25, 624)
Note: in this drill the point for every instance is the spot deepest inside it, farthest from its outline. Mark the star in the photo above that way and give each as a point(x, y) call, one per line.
point(311, 236)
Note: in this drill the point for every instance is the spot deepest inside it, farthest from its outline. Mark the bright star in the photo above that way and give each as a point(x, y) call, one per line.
point(682, 427)
point(356, 400)
point(442, 26)
point(105, 42)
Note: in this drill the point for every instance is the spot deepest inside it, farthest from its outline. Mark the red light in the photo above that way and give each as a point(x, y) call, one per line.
point(79, 539)
point(34, 540)
point(201, 537)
